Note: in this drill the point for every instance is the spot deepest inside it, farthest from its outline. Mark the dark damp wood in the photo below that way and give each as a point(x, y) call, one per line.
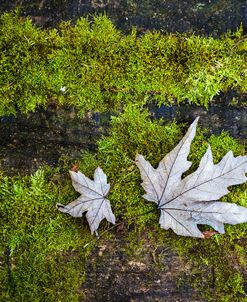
point(201, 17)
point(27, 142)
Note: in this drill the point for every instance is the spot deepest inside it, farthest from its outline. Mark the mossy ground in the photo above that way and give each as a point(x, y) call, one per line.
point(43, 251)
point(73, 65)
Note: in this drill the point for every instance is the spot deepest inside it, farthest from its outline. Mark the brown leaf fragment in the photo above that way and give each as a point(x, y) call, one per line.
point(208, 234)
point(120, 227)
point(75, 167)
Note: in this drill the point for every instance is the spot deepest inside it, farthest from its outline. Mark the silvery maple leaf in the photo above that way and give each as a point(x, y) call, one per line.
point(92, 200)
point(187, 202)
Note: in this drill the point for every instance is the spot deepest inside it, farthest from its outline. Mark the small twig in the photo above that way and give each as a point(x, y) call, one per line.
point(236, 44)
point(10, 274)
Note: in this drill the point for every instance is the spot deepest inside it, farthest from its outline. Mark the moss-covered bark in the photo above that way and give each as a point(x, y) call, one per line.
point(94, 66)
point(43, 252)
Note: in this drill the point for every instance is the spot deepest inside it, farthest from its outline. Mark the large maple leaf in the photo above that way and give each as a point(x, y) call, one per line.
point(187, 202)
point(92, 200)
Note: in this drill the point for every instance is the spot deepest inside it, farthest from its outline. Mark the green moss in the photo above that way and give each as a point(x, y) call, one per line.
point(73, 65)
point(218, 264)
point(43, 251)
point(37, 264)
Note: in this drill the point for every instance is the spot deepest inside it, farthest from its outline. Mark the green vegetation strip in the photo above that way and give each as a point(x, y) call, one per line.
point(43, 252)
point(93, 66)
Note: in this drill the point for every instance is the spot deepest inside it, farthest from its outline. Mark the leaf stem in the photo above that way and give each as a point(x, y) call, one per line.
point(116, 225)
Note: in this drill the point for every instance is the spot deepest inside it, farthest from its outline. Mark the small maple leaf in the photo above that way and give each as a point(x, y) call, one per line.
point(92, 200)
point(187, 202)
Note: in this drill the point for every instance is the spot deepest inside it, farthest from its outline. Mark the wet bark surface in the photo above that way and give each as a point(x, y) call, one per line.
point(113, 276)
point(202, 17)
point(216, 119)
point(28, 142)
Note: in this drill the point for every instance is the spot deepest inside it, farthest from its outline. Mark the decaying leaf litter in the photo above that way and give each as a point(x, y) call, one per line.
point(185, 202)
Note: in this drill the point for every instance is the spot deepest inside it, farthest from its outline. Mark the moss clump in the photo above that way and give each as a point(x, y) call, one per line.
point(73, 65)
point(42, 250)
point(37, 258)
